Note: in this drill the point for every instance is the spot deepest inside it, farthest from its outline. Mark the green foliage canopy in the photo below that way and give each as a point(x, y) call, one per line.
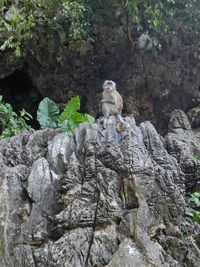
point(19, 20)
point(159, 16)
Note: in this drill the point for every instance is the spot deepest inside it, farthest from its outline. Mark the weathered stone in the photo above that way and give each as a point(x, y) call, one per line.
point(128, 255)
point(184, 146)
point(194, 117)
point(97, 197)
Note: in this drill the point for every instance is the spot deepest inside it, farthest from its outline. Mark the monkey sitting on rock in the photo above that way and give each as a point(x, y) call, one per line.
point(112, 103)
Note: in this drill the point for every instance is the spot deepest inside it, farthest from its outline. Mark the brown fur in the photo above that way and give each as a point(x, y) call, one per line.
point(112, 103)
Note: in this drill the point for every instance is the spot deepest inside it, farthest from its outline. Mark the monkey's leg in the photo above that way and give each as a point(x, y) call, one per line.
point(119, 116)
point(106, 110)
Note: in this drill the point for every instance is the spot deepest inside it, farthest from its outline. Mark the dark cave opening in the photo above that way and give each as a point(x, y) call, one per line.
point(18, 90)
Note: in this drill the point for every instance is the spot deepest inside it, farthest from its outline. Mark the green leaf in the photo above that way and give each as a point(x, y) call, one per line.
point(77, 117)
point(195, 198)
point(25, 115)
point(72, 124)
point(196, 216)
point(6, 133)
point(196, 156)
point(189, 212)
point(68, 125)
point(68, 120)
point(48, 113)
point(22, 112)
point(64, 125)
point(72, 106)
point(17, 51)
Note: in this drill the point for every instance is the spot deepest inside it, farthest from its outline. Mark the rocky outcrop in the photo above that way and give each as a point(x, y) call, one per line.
point(194, 117)
point(97, 197)
point(183, 143)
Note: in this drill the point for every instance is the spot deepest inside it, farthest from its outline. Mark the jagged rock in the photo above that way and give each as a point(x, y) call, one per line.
point(94, 198)
point(128, 255)
point(194, 117)
point(178, 121)
point(184, 146)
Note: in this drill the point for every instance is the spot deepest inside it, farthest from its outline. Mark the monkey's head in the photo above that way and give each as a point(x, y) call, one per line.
point(109, 85)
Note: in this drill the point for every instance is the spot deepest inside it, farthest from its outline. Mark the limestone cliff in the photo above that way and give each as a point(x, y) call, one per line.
point(99, 197)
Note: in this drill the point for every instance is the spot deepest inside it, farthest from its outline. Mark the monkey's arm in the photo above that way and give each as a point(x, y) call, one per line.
point(108, 101)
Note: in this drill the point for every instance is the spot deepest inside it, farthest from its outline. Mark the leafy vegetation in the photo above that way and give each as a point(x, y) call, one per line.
point(48, 115)
point(159, 16)
point(189, 13)
point(10, 122)
point(194, 210)
point(196, 156)
point(19, 20)
point(196, 216)
point(151, 15)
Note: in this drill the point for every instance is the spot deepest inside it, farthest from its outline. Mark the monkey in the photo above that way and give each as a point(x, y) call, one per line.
point(144, 42)
point(112, 103)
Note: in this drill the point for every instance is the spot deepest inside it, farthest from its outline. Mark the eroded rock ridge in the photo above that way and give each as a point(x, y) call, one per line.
point(99, 197)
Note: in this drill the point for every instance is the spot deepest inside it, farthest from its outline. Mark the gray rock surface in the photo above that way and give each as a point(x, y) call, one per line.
point(194, 116)
point(183, 144)
point(96, 198)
